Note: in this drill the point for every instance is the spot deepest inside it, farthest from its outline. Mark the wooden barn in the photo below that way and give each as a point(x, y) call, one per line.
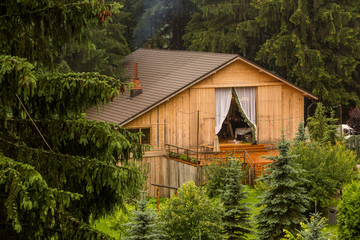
point(193, 106)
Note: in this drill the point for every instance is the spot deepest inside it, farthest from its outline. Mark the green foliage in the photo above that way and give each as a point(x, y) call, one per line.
point(285, 202)
point(28, 32)
point(53, 183)
point(107, 48)
point(144, 224)
point(313, 43)
point(328, 169)
point(353, 143)
point(162, 23)
point(216, 173)
point(237, 215)
point(192, 215)
point(301, 135)
point(322, 128)
point(217, 26)
point(313, 230)
point(349, 213)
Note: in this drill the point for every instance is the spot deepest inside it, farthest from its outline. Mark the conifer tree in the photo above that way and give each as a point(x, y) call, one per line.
point(218, 26)
point(314, 44)
point(237, 215)
point(315, 229)
point(58, 170)
point(285, 202)
point(144, 225)
point(301, 135)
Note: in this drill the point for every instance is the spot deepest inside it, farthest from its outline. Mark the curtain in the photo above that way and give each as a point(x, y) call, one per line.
point(222, 106)
point(247, 100)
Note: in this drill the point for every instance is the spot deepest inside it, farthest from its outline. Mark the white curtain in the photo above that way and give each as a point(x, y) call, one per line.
point(247, 100)
point(222, 106)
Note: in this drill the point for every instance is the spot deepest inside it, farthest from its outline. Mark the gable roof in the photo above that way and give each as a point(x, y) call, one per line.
point(163, 74)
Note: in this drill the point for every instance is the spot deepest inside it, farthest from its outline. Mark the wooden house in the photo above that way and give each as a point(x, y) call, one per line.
point(178, 102)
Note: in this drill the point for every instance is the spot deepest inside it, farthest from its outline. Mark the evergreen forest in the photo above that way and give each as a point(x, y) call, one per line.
point(63, 176)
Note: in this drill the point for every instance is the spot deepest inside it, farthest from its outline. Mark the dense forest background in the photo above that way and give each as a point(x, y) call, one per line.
point(312, 43)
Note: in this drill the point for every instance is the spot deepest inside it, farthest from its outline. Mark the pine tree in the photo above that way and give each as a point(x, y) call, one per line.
point(237, 215)
point(301, 135)
point(285, 202)
point(58, 170)
point(144, 225)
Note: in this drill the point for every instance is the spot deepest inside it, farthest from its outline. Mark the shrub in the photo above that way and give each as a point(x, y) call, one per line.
point(192, 215)
point(349, 213)
point(328, 169)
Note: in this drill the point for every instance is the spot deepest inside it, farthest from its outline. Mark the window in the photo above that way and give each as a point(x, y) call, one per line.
point(145, 138)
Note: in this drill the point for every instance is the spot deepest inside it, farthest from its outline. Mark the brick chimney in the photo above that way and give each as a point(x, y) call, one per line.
point(136, 89)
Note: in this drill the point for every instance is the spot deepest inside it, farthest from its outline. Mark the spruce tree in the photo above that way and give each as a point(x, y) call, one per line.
point(219, 26)
point(315, 229)
point(58, 171)
point(301, 135)
point(286, 201)
point(144, 224)
point(237, 215)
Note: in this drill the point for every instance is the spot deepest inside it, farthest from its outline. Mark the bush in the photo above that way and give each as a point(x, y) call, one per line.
point(192, 215)
point(349, 213)
point(328, 169)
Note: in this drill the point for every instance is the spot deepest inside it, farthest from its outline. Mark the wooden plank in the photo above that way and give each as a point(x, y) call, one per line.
point(269, 113)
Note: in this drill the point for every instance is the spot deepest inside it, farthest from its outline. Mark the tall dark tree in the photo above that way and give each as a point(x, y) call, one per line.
point(58, 170)
point(163, 23)
point(315, 44)
point(109, 45)
point(286, 201)
point(311, 43)
point(220, 26)
point(237, 214)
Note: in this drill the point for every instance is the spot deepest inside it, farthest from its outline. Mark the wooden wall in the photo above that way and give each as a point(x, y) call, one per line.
point(176, 120)
point(168, 172)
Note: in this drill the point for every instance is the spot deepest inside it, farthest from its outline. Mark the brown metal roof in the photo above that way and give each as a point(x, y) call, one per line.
point(163, 74)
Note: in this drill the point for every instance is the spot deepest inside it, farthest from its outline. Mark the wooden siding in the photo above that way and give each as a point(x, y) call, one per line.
point(168, 172)
point(292, 110)
point(175, 121)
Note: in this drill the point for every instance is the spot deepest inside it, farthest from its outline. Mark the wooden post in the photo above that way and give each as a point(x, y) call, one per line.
point(175, 192)
point(197, 138)
point(157, 198)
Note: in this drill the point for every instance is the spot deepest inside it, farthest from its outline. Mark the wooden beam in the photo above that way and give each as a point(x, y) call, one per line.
point(239, 85)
